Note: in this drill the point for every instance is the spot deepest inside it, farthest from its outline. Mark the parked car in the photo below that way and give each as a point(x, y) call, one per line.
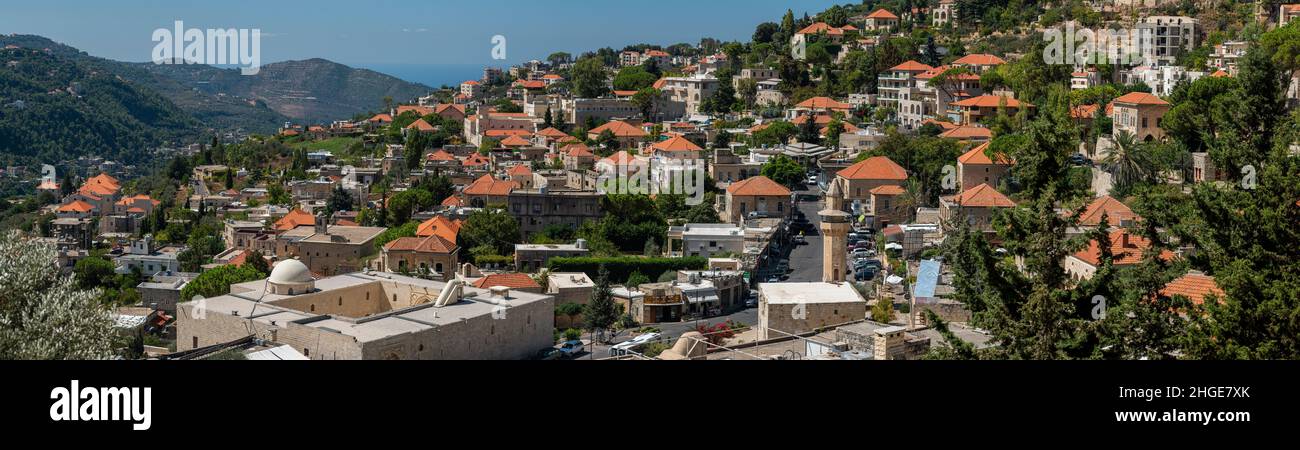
point(751, 303)
point(572, 348)
point(548, 354)
point(812, 179)
point(860, 253)
point(1079, 159)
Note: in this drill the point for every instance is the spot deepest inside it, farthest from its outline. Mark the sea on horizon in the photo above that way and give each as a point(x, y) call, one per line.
point(432, 75)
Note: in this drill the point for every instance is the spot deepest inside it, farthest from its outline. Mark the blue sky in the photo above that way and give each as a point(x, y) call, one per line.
point(385, 32)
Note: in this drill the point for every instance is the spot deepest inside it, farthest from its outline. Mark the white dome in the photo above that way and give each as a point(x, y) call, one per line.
point(290, 271)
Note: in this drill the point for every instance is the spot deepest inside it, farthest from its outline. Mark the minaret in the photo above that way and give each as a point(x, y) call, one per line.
point(835, 230)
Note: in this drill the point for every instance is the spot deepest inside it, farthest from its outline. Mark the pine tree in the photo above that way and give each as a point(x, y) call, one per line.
point(600, 314)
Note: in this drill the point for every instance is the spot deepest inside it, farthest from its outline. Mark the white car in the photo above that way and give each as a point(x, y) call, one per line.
point(572, 348)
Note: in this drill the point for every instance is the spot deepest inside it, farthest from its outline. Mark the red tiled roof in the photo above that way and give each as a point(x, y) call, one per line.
point(577, 150)
point(984, 196)
point(978, 155)
point(1194, 286)
point(823, 103)
point(910, 66)
point(882, 13)
point(989, 101)
point(619, 128)
point(980, 59)
point(874, 168)
point(1140, 98)
point(439, 226)
point(430, 244)
point(622, 158)
point(510, 280)
point(453, 200)
point(1083, 111)
point(1126, 248)
point(519, 170)
point(486, 185)
point(421, 125)
point(888, 189)
point(552, 132)
point(967, 132)
point(476, 159)
point(676, 144)
point(295, 219)
point(500, 133)
point(515, 141)
point(758, 186)
point(380, 118)
point(418, 110)
point(1116, 212)
point(821, 27)
point(441, 155)
point(77, 206)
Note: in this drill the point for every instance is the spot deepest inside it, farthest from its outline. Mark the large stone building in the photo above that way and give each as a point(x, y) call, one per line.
point(540, 207)
point(794, 308)
point(328, 249)
point(371, 316)
point(756, 197)
point(1140, 113)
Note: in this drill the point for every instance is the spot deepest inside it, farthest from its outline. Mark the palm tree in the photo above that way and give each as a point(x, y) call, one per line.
point(1128, 161)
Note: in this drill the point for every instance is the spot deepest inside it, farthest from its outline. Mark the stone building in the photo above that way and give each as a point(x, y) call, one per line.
point(371, 316)
point(794, 308)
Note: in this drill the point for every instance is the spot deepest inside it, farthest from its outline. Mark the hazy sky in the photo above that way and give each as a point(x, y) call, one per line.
point(370, 32)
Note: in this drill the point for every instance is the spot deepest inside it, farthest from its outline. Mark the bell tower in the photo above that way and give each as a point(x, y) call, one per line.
point(835, 230)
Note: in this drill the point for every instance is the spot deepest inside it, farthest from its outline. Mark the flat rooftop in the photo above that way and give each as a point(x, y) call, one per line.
point(248, 300)
point(804, 293)
point(338, 234)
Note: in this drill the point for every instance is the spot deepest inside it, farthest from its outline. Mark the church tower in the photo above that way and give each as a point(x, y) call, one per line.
point(835, 230)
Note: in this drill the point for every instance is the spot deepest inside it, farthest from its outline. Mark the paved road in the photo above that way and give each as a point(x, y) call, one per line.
point(806, 260)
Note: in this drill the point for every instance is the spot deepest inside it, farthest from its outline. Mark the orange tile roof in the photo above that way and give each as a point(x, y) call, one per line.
point(882, 13)
point(510, 280)
point(77, 206)
point(421, 125)
point(819, 119)
point(619, 128)
point(380, 118)
point(1115, 211)
point(888, 189)
point(1140, 98)
point(105, 179)
point(439, 226)
point(823, 103)
point(429, 244)
point(443, 107)
point(515, 141)
point(441, 155)
point(848, 128)
point(910, 66)
point(1126, 248)
point(622, 158)
point(821, 27)
point(874, 168)
point(486, 185)
point(1195, 287)
point(519, 170)
point(618, 93)
point(295, 219)
point(1083, 111)
point(418, 110)
point(1220, 74)
point(552, 132)
point(989, 101)
point(476, 159)
point(48, 185)
point(978, 155)
point(980, 59)
point(984, 196)
point(453, 200)
point(758, 186)
point(577, 150)
point(946, 125)
point(676, 144)
point(967, 132)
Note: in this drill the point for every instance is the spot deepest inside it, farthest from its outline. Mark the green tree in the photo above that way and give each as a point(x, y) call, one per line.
point(45, 315)
point(599, 314)
point(217, 281)
point(784, 170)
point(589, 78)
point(490, 227)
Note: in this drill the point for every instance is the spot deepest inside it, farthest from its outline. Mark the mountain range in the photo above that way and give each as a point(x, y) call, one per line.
point(184, 101)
